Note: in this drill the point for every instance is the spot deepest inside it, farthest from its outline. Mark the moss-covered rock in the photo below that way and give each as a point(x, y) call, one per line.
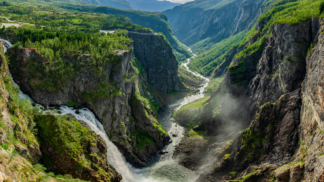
point(109, 91)
point(70, 147)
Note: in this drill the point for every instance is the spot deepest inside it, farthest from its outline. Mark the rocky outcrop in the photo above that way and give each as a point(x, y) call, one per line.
point(109, 93)
point(155, 54)
point(86, 159)
point(281, 68)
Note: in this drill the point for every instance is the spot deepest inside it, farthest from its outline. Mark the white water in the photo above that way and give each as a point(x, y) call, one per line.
point(162, 167)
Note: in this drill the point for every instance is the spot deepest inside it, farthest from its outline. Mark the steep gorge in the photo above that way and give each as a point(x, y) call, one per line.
point(126, 112)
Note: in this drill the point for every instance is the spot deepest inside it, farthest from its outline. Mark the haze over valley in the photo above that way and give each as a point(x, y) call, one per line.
point(161, 91)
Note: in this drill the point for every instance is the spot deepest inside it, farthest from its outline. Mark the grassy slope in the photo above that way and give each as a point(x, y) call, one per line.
point(207, 61)
point(191, 81)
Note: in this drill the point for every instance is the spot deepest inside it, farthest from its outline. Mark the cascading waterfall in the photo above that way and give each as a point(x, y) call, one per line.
point(163, 168)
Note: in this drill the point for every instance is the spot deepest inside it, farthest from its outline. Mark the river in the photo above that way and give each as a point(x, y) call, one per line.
point(160, 168)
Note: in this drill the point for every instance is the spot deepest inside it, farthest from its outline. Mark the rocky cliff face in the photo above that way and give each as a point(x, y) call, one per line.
point(21, 155)
point(156, 56)
point(115, 95)
point(17, 142)
point(276, 93)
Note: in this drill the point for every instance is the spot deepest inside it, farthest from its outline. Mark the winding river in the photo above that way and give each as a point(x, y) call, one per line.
point(161, 168)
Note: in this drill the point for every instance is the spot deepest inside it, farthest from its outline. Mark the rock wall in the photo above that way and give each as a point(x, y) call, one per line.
point(276, 99)
point(110, 95)
point(156, 56)
point(21, 154)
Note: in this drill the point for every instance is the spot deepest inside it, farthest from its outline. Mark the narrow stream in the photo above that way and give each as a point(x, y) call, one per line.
point(161, 168)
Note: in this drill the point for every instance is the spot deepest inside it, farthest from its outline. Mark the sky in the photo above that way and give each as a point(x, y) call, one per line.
point(179, 1)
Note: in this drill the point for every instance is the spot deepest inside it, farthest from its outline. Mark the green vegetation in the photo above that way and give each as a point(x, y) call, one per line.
point(5, 146)
point(213, 84)
point(258, 45)
point(71, 103)
point(143, 97)
point(310, 48)
point(227, 156)
point(48, 176)
point(58, 49)
point(142, 139)
point(233, 172)
point(189, 80)
point(207, 61)
point(68, 137)
point(250, 142)
point(194, 134)
point(156, 21)
point(193, 105)
point(255, 171)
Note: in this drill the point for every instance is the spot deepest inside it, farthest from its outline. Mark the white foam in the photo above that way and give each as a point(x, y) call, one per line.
point(167, 170)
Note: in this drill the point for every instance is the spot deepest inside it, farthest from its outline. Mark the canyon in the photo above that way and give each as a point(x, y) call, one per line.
point(122, 106)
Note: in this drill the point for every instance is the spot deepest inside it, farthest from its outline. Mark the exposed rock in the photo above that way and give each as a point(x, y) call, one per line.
point(98, 92)
point(272, 138)
point(156, 56)
point(163, 152)
point(190, 151)
point(2, 136)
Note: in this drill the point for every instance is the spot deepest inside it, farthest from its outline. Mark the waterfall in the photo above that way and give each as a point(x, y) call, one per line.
point(166, 170)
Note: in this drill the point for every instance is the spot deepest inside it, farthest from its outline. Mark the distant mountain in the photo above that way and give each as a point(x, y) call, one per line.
point(152, 5)
point(123, 4)
point(201, 19)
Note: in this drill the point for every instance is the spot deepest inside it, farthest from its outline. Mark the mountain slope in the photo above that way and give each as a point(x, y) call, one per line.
point(123, 4)
point(152, 5)
point(212, 19)
point(264, 121)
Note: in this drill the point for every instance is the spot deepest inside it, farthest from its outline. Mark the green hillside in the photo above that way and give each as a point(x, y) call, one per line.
point(156, 21)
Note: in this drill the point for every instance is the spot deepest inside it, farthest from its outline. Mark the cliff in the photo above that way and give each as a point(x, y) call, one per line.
point(117, 93)
point(160, 64)
point(22, 156)
point(85, 159)
point(273, 96)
